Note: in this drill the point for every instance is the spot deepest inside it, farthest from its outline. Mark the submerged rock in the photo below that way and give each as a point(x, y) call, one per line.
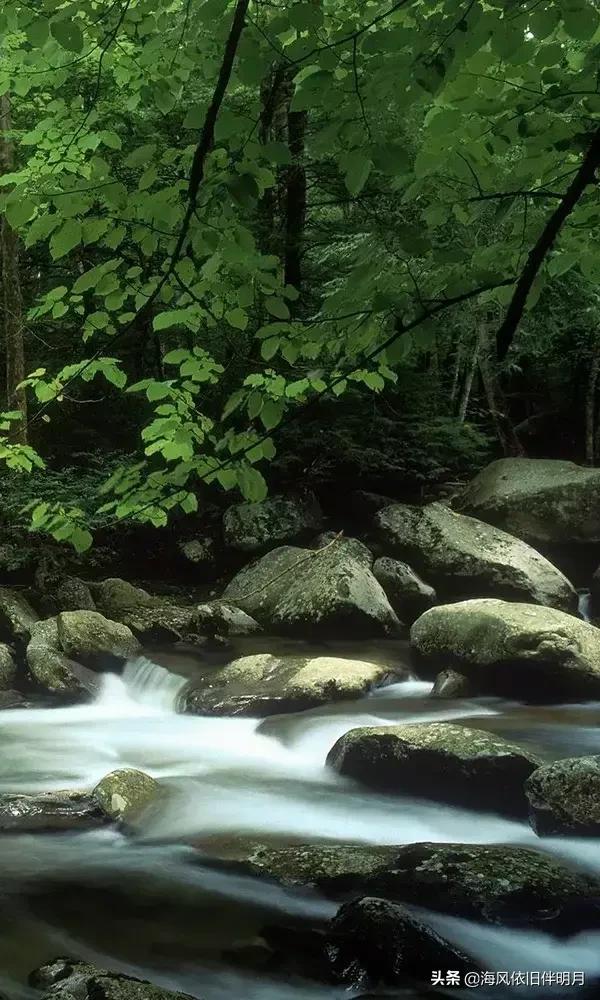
point(46, 812)
point(8, 668)
point(328, 591)
point(125, 795)
point(374, 941)
point(564, 797)
point(450, 684)
point(334, 868)
point(437, 760)
point(17, 617)
point(58, 645)
point(515, 650)
point(408, 594)
point(263, 684)
point(463, 557)
point(543, 501)
point(279, 520)
point(72, 980)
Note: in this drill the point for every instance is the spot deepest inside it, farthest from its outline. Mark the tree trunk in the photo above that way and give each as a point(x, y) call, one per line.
point(458, 357)
point(295, 199)
point(11, 291)
point(463, 405)
point(505, 431)
point(590, 406)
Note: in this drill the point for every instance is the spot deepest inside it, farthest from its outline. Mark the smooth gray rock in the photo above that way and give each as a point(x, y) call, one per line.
point(564, 797)
point(17, 617)
point(46, 812)
point(279, 520)
point(408, 594)
point(66, 979)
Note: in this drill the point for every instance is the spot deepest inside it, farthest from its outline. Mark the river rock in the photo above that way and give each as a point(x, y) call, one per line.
point(437, 760)
point(374, 941)
point(513, 650)
point(58, 645)
point(8, 668)
point(224, 619)
point(564, 797)
point(335, 869)
point(463, 557)
point(74, 595)
point(543, 501)
point(162, 623)
point(115, 595)
point(279, 520)
point(263, 684)
point(499, 884)
point(17, 617)
point(352, 546)
point(451, 684)
point(125, 795)
point(327, 591)
point(46, 812)
point(408, 594)
point(68, 979)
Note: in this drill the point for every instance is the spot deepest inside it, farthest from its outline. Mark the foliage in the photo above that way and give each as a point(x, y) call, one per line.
point(444, 138)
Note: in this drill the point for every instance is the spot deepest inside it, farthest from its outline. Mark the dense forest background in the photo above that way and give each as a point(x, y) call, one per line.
point(268, 244)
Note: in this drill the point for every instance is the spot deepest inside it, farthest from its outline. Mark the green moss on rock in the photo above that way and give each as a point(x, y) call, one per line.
point(564, 797)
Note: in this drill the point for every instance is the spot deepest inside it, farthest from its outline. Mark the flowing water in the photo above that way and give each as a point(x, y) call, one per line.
point(151, 905)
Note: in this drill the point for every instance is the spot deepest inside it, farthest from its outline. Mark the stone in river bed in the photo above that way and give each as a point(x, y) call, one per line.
point(73, 980)
point(264, 684)
point(408, 594)
point(564, 797)
point(49, 812)
point(463, 557)
point(8, 668)
point(327, 592)
point(441, 761)
point(258, 527)
point(17, 617)
point(373, 941)
point(450, 684)
point(515, 650)
point(125, 795)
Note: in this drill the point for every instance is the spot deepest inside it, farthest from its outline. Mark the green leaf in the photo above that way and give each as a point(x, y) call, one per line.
point(68, 34)
point(38, 32)
point(158, 390)
point(255, 404)
point(81, 539)
point(581, 23)
point(358, 169)
point(237, 318)
point(272, 413)
point(19, 212)
point(277, 307)
point(66, 239)
point(252, 484)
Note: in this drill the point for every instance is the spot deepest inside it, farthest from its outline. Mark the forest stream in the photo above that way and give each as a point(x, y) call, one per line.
point(150, 906)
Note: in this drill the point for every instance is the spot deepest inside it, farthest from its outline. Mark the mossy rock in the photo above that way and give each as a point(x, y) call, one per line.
point(279, 520)
point(513, 650)
point(8, 668)
point(543, 501)
point(66, 979)
point(125, 795)
point(564, 797)
point(17, 616)
point(463, 557)
point(408, 594)
point(263, 684)
point(49, 812)
point(438, 760)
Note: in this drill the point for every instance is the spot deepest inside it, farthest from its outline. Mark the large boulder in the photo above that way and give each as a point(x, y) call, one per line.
point(115, 595)
point(17, 617)
point(64, 979)
point(564, 797)
point(374, 941)
point(58, 646)
point(543, 501)
point(279, 520)
point(262, 684)
point(224, 619)
point(125, 795)
point(326, 590)
point(514, 650)
point(408, 594)
point(496, 883)
point(8, 668)
point(49, 812)
point(437, 760)
point(74, 594)
point(463, 557)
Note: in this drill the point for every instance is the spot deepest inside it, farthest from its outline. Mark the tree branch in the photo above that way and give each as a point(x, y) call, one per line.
point(585, 176)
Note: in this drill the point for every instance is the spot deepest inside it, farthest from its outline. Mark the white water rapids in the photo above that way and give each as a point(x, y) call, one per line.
point(230, 777)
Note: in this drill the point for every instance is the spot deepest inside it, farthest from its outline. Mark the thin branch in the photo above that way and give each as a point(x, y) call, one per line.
point(585, 176)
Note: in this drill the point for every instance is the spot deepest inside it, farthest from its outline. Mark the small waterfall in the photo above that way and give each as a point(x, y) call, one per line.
point(149, 684)
point(584, 605)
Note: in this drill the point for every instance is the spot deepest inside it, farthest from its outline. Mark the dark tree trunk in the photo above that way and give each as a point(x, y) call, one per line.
point(295, 199)
point(505, 432)
point(590, 406)
point(11, 291)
